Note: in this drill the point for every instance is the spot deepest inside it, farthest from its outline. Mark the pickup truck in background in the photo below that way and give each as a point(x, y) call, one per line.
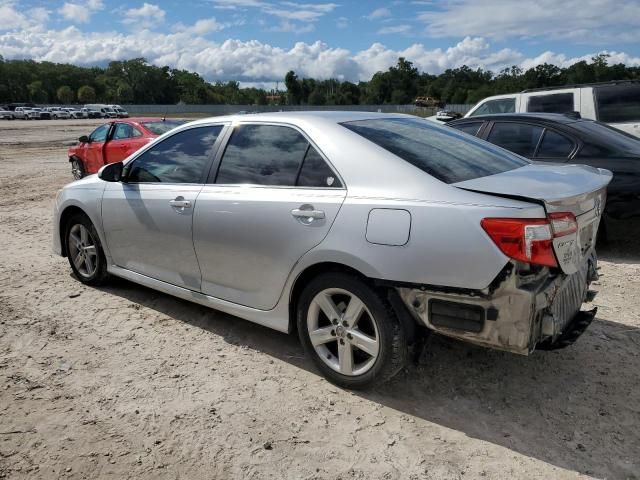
point(614, 103)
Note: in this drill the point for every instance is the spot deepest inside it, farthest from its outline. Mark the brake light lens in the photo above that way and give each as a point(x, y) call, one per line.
point(530, 240)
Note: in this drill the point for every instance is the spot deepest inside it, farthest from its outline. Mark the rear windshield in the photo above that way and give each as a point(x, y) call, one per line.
point(609, 138)
point(159, 127)
point(444, 153)
point(620, 103)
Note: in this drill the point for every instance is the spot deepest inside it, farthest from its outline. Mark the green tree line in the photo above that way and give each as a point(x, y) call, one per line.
point(136, 81)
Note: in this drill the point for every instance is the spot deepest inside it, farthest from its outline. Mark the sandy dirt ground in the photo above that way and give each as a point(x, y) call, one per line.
point(124, 382)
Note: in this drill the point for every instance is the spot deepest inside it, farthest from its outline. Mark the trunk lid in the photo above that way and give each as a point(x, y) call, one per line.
point(578, 189)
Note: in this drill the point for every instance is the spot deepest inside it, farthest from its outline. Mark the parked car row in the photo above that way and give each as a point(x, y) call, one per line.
point(24, 112)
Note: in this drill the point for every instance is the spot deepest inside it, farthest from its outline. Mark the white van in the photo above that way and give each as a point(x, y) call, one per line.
point(105, 110)
point(614, 103)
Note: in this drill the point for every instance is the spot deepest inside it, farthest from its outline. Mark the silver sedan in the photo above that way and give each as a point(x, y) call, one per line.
point(362, 231)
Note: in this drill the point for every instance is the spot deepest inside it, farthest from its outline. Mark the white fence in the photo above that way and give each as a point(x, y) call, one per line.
point(228, 109)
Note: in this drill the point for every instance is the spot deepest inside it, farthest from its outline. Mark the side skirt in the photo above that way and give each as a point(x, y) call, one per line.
point(278, 318)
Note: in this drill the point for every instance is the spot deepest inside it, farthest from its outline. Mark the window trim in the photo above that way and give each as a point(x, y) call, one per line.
point(489, 129)
point(479, 132)
point(215, 168)
point(572, 152)
point(170, 134)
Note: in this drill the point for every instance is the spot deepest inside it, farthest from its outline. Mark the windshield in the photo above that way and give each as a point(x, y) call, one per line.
point(442, 152)
point(159, 127)
point(618, 103)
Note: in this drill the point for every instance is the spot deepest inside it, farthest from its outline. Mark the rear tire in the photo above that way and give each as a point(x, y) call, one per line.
point(350, 331)
point(84, 251)
point(77, 168)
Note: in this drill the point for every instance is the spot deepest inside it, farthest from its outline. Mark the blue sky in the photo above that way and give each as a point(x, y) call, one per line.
point(259, 40)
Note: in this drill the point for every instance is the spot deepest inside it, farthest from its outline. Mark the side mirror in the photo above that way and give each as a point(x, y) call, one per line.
point(84, 139)
point(111, 172)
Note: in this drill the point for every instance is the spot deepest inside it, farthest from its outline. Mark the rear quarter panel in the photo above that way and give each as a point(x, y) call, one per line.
point(446, 246)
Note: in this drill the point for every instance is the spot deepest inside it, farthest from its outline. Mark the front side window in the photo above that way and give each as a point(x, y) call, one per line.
point(100, 133)
point(520, 138)
point(554, 145)
point(502, 105)
point(442, 152)
point(263, 155)
point(181, 158)
point(620, 103)
point(551, 103)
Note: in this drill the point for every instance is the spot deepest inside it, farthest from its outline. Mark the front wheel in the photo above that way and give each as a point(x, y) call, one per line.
point(350, 331)
point(77, 169)
point(84, 251)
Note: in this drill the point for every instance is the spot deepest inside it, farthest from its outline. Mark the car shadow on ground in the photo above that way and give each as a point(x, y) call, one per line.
point(564, 407)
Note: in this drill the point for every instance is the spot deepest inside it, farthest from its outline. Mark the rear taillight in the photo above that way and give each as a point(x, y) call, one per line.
point(530, 240)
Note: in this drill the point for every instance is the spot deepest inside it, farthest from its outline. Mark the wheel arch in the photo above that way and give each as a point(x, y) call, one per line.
point(67, 214)
point(312, 271)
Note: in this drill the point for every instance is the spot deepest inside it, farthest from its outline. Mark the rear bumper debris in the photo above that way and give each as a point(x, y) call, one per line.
point(520, 311)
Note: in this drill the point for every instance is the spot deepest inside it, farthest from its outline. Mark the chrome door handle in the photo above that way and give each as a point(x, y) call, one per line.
point(307, 214)
point(179, 203)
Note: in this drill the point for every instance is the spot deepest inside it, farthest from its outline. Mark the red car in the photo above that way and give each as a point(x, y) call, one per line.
point(115, 141)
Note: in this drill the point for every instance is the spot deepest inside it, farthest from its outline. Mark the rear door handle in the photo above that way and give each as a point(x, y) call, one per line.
point(307, 214)
point(180, 202)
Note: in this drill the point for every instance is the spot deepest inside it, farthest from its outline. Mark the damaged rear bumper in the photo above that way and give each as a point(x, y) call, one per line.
point(518, 311)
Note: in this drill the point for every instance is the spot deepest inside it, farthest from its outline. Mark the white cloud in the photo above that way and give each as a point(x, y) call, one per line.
point(287, 10)
point(254, 61)
point(379, 13)
point(395, 29)
point(147, 16)
point(80, 12)
point(289, 27)
point(342, 22)
point(201, 27)
point(592, 21)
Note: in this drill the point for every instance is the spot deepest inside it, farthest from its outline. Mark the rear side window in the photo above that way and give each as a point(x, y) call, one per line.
point(440, 151)
point(520, 138)
point(470, 128)
point(554, 145)
point(181, 158)
point(619, 103)
point(273, 155)
point(315, 172)
point(552, 103)
point(502, 105)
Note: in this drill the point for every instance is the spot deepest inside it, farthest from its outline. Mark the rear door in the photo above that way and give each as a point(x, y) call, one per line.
point(272, 198)
point(148, 217)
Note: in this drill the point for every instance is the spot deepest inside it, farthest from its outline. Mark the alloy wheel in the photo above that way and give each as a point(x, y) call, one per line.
point(76, 169)
point(343, 332)
point(82, 250)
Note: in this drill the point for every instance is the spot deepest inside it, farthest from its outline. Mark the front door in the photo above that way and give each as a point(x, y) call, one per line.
point(93, 150)
point(274, 198)
point(148, 217)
